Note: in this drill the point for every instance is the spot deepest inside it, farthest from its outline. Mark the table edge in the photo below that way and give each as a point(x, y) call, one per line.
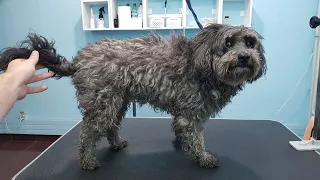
point(128, 118)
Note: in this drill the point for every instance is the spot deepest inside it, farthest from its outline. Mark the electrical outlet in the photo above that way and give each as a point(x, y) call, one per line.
point(22, 116)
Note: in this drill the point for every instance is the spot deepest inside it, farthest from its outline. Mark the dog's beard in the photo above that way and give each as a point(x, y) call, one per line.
point(230, 71)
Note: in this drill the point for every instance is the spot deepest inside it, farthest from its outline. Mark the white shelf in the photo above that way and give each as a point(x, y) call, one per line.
point(239, 11)
point(95, 2)
point(138, 29)
point(96, 29)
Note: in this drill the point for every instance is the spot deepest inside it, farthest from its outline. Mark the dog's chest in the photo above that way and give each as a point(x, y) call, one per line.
point(217, 98)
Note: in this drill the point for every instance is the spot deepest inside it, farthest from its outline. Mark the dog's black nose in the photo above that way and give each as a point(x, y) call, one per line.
point(243, 58)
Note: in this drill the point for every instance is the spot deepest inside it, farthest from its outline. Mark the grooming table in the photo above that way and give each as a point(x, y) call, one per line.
point(247, 149)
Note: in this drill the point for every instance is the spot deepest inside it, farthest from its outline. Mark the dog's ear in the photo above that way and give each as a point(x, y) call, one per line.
point(202, 59)
point(202, 47)
point(263, 64)
point(261, 51)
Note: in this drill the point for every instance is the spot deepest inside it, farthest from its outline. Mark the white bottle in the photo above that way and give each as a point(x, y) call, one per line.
point(140, 11)
point(140, 14)
point(226, 20)
point(92, 25)
point(134, 12)
point(100, 23)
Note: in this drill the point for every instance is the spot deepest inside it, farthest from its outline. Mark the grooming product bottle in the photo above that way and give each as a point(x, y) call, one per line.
point(226, 20)
point(134, 12)
point(116, 22)
point(140, 13)
point(130, 9)
point(165, 13)
point(92, 25)
point(124, 16)
point(100, 23)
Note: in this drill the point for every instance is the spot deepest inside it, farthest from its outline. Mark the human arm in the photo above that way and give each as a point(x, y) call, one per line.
point(14, 82)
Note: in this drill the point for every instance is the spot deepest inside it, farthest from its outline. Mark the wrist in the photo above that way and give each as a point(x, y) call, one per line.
point(8, 84)
point(8, 94)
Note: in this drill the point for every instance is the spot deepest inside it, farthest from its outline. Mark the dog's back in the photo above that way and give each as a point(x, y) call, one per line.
point(145, 69)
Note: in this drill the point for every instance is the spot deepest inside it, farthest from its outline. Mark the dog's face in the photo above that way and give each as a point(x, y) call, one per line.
point(232, 54)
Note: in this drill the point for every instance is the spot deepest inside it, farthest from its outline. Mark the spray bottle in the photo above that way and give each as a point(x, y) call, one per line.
point(100, 22)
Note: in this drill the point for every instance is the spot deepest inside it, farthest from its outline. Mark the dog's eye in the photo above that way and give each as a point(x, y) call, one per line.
point(250, 42)
point(228, 44)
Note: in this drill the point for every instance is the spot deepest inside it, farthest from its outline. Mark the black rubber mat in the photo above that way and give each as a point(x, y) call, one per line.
point(247, 149)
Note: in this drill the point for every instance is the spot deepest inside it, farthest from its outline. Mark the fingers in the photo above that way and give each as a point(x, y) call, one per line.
point(37, 89)
point(40, 77)
point(34, 57)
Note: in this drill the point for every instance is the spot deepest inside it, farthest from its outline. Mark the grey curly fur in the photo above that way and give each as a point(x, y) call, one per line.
point(191, 79)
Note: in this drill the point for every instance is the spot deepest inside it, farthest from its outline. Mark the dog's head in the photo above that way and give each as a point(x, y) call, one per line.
point(231, 54)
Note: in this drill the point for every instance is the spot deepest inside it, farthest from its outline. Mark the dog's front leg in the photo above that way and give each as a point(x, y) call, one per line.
point(190, 132)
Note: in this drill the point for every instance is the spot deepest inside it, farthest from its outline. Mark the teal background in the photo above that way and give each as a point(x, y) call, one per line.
point(283, 23)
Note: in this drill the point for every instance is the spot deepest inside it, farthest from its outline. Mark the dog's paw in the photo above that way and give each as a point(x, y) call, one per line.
point(121, 144)
point(89, 163)
point(208, 161)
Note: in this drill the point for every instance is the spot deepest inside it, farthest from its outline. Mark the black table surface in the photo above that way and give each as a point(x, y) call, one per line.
point(247, 149)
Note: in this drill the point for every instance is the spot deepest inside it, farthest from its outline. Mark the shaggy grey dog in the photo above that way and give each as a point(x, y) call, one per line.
point(191, 79)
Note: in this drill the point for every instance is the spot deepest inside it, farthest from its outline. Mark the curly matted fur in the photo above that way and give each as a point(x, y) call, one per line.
point(191, 79)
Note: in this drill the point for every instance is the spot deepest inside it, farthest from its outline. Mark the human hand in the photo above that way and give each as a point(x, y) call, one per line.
point(21, 73)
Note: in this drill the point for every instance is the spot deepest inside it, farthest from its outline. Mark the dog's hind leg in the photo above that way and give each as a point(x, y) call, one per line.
point(117, 142)
point(89, 138)
point(190, 133)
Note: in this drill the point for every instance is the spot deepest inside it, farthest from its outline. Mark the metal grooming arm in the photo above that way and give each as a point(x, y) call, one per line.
point(314, 143)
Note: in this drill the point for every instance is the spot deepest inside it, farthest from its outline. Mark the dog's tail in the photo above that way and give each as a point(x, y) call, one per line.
point(47, 55)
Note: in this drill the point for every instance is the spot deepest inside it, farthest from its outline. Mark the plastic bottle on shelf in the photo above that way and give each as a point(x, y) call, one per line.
point(134, 12)
point(226, 20)
point(130, 9)
point(100, 22)
point(92, 24)
point(140, 13)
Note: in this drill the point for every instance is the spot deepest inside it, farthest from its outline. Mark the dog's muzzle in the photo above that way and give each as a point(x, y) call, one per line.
point(244, 61)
